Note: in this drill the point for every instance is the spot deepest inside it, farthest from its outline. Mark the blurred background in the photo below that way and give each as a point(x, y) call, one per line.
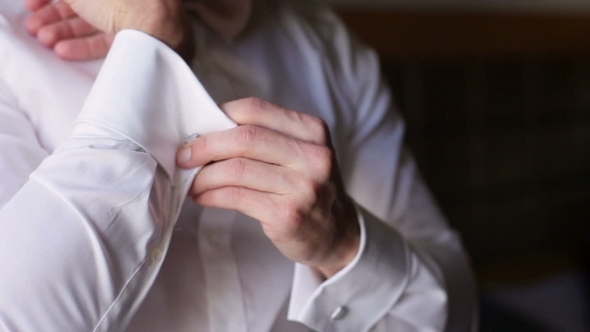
point(496, 94)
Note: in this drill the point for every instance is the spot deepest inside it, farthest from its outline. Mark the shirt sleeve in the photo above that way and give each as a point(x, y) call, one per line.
point(411, 272)
point(83, 237)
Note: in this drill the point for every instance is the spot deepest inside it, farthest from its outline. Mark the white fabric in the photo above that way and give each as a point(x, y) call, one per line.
point(94, 235)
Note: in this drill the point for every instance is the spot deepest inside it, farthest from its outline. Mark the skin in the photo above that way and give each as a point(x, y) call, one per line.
point(278, 166)
point(57, 26)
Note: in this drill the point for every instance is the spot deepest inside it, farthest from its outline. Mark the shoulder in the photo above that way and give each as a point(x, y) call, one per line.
point(315, 26)
point(316, 21)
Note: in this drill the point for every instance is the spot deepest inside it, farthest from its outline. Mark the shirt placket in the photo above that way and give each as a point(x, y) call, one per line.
point(223, 287)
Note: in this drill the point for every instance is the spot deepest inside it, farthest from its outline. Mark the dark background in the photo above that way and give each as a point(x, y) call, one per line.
point(498, 112)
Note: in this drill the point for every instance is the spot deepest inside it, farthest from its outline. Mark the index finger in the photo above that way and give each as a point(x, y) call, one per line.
point(258, 112)
point(51, 13)
point(250, 142)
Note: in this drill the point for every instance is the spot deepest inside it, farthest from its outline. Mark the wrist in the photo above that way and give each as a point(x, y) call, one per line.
point(345, 250)
point(345, 256)
point(173, 29)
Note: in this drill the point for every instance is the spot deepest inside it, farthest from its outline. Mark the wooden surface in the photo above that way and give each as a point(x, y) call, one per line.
point(419, 35)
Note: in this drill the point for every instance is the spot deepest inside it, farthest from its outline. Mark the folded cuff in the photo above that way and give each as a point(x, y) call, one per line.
point(360, 294)
point(152, 98)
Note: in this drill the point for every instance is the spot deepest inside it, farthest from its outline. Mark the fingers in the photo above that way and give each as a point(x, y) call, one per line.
point(84, 48)
point(33, 5)
point(250, 142)
point(255, 111)
point(50, 13)
point(56, 25)
point(71, 28)
point(255, 204)
point(242, 172)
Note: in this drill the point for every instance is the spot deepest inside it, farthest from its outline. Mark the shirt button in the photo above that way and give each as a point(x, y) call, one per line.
point(157, 255)
point(339, 313)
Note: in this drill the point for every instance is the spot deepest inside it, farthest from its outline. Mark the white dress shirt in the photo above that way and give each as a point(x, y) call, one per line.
point(94, 234)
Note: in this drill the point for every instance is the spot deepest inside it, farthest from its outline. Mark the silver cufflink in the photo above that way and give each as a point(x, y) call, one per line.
point(191, 138)
point(339, 313)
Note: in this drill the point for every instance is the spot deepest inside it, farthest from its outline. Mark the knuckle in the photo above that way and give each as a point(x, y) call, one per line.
point(323, 159)
point(238, 167)
point(236, 194)
point(62, 9)
point(248, 134)
point(319, 129)
point(308, 188)
point(47, 34)
point(254, 103)
point(300, 181)
point(292, 215)
point(313, 192)
point(71, 28)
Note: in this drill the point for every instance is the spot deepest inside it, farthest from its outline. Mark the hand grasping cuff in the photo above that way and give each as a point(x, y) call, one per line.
point(278, 167)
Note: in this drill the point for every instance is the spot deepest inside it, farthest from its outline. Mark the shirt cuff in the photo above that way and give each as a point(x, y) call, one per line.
point(146, 93)
point(362, 293)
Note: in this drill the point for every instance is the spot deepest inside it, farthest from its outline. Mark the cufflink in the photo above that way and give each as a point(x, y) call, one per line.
point(191, 138)
point(339, 313)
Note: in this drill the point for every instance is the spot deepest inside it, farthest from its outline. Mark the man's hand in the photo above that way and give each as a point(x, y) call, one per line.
point(57, 26)
point(53, 23)
point(278, 167)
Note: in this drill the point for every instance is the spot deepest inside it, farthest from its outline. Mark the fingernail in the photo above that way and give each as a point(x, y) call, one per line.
point(184, 155)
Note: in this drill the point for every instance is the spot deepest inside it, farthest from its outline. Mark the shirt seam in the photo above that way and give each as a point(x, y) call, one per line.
point(118, 131)
point(77, 212)
point(110, 308)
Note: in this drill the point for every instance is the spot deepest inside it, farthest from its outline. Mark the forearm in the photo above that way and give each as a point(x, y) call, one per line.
point(77, 236)
point(85, 236)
